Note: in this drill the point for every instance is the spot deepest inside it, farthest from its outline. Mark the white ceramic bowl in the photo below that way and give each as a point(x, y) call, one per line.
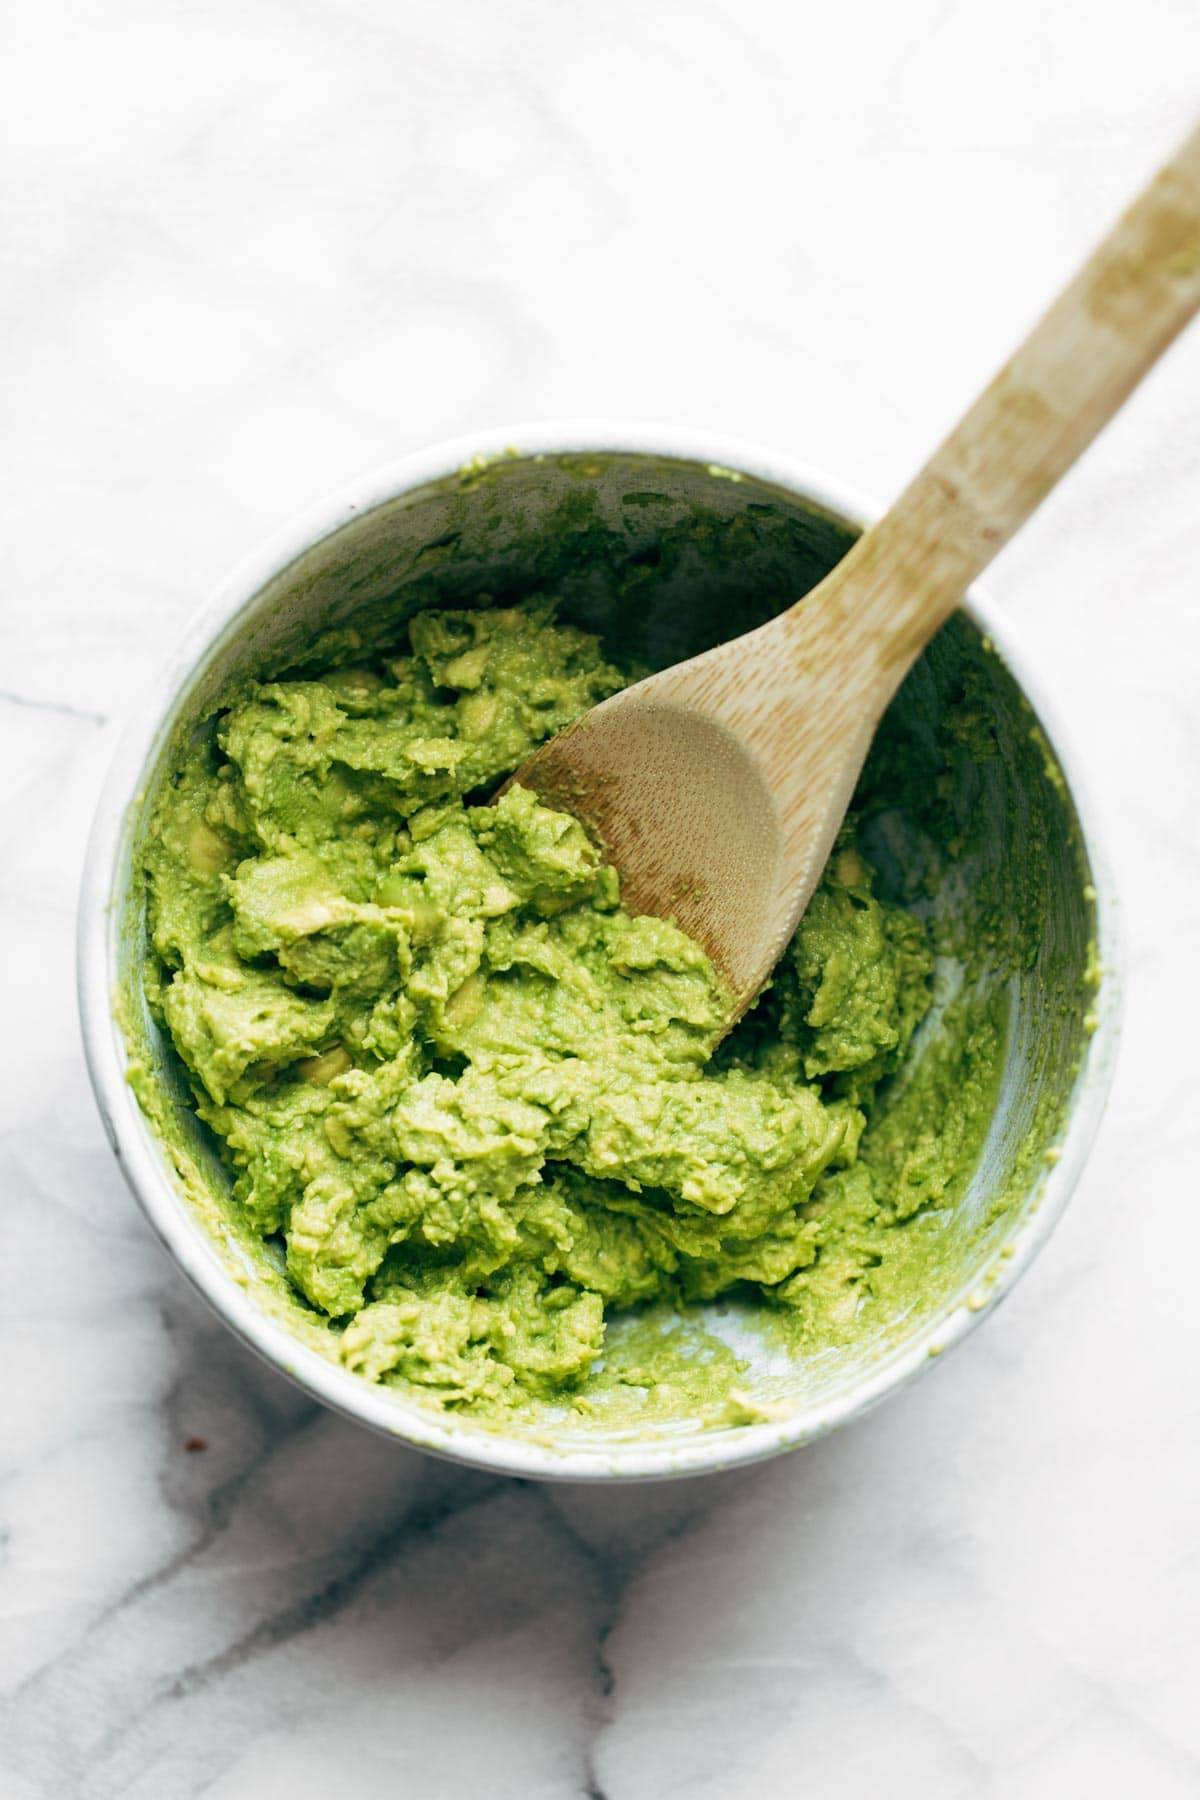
point(344, 553)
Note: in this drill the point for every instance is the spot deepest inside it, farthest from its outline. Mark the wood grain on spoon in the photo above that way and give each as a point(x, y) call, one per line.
point(718, 786)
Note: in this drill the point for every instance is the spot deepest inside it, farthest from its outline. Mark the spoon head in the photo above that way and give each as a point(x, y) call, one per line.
point(682, 809)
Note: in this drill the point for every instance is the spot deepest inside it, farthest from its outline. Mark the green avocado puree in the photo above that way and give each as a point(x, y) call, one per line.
point(472, 1108)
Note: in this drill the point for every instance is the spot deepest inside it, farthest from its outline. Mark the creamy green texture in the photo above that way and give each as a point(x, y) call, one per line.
point(475, 1106)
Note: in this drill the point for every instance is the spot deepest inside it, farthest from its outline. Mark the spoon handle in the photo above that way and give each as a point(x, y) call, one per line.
point(903, 578)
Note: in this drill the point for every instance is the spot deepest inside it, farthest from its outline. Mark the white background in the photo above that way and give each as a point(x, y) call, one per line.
point(252, 247)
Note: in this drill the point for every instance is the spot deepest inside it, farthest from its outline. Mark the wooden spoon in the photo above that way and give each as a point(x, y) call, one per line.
point(717, 787)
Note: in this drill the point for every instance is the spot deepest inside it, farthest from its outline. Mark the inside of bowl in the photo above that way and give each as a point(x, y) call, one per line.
point(966, 817)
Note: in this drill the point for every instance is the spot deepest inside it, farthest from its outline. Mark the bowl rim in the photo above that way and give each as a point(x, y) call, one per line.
point(180, 1230)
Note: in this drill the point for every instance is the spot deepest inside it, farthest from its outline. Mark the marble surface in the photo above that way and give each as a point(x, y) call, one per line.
point(254, 247)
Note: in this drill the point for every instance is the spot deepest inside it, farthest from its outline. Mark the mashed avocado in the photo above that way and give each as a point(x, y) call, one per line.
point(473, 1105)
